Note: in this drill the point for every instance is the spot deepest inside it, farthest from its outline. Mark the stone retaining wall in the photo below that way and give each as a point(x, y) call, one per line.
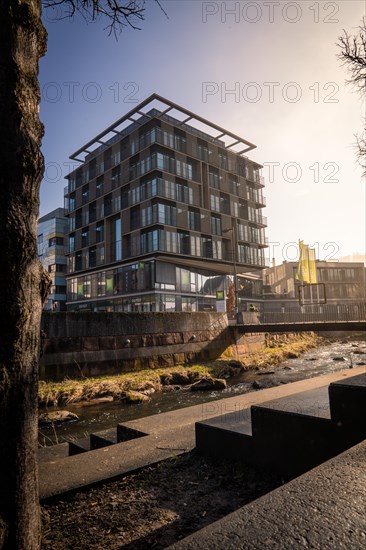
point(91, 344)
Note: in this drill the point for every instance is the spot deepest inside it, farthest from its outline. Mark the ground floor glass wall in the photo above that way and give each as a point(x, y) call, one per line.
point(155, 286)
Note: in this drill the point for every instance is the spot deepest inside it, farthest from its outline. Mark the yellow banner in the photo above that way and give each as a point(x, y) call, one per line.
point(306, 268)
point(312, 266)
point(302, 273)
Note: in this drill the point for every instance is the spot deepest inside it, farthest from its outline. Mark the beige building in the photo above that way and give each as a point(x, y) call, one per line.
point(339, 283)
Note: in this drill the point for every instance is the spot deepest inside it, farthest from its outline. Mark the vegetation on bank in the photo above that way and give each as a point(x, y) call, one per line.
point(147, 381)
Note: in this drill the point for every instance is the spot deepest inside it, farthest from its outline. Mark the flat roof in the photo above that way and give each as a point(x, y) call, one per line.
point(161, 107)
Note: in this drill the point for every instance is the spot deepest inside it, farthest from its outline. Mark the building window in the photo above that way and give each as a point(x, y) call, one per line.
point(71, 264)
point(78, 218)
point(213, 177)
point(72, 202)
point(223, 160)
point(87, 286)
point(100, 166)
point(72, 289)
point(108, 159)
point(215, 203)
point(101, 284)
point(184, 243)
point(92, 212)
point(108, 205)
point(194, 219)
point(78, 261)
point(207, 251)
point(135, 195)
point(85, 237)
point(195, 246)
point(117, 240)
point(56, 241)
point(57, 268)
point(99, 188)
point(92, 168)
point(243, 233)
point(99, 232)
point(216, 225)
point(224, 203)
point(117, 157)
point(184, 170)
point(233, 184)
point(217, 250)
point(100, 255)
point(202, 152)
point(116, 177)
point(92, 256)
point(58, 289)
point(117, 203)
point(136, 216)
point(165, 214)
point(149, 241)
point(85, 194)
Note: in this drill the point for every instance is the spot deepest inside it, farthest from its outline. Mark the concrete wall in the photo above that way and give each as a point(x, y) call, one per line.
point(91, 344)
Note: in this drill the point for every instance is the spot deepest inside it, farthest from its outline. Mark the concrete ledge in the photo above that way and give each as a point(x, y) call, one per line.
point(169, 434)
point(322, 509)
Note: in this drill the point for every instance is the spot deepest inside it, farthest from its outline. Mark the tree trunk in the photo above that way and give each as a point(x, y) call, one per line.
point(23, 283)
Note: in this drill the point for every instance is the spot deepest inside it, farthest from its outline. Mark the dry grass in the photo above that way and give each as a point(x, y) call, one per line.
point(72, 391)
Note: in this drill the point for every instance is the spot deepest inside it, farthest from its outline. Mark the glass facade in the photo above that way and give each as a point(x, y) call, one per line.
point(161, 193)
point(51, 241)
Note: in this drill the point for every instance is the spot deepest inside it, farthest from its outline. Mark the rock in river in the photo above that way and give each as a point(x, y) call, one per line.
point(207, 384)
point(57, 416)
point(134, 397)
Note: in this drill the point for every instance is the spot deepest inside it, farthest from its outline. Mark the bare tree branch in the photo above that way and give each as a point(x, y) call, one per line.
point(118, 13)
point(353, 56)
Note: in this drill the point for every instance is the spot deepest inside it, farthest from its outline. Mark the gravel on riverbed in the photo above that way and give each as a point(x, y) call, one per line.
point(154, 507)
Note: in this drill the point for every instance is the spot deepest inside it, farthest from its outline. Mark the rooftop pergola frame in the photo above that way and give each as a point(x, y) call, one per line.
point(231, 142)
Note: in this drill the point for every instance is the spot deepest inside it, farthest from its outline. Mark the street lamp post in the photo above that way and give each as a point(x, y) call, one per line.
point(234, 252)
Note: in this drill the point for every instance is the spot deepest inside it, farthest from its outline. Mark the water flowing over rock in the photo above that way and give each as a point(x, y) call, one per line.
point(209, 384)
point(133, 397)
point(57, 416)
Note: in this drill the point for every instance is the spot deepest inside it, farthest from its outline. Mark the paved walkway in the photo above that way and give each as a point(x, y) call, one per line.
point(169, 434)
point(324, 509)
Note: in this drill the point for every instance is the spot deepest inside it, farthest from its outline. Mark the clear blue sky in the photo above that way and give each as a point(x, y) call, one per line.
point(289, 98)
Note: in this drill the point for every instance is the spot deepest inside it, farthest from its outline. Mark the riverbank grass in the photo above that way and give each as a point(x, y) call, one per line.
point(150, 380)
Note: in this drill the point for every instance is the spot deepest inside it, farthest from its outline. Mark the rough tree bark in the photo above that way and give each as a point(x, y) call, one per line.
point(24, 284)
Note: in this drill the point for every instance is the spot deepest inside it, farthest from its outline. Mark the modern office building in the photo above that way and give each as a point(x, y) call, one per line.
point(165, 210)
point(340, 283)
point(52, 231)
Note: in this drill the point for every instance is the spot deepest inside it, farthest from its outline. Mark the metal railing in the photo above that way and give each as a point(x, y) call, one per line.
point(316, 313)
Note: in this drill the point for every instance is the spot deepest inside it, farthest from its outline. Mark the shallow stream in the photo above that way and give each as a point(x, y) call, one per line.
point(337, 356)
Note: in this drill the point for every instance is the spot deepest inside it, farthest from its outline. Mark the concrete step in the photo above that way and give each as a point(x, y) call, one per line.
point(126, 434)
point(103, 439)
point(226, 436)
point(292, 434)
point(79, 446)
point(347, 400)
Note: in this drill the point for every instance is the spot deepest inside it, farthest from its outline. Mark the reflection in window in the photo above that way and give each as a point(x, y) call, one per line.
point(216, 225)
